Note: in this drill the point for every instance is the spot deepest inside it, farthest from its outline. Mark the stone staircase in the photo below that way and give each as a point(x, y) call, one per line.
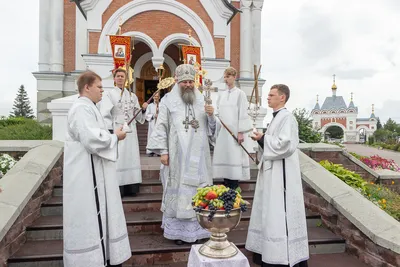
point(44, 244)
point(142, 136)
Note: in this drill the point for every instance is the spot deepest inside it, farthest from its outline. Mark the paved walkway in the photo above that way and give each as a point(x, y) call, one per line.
point(364, 150)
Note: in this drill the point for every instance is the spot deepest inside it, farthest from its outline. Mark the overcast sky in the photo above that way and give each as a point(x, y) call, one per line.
point(303, 44)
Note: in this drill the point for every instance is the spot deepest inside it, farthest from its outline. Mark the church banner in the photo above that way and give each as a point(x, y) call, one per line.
point(121, 49)
point(192, 55)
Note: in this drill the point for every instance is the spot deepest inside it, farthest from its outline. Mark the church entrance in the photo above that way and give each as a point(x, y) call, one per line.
point(146, 85)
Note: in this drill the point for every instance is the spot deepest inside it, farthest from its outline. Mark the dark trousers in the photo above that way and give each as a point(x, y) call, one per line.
point(257, 259)
point(233, 184)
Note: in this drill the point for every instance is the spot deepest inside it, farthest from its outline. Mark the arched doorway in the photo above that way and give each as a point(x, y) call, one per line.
point(146, 85)
point(334, 133)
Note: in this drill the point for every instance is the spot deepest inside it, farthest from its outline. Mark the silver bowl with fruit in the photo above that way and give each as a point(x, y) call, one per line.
point(218, 246)
point(218, 210)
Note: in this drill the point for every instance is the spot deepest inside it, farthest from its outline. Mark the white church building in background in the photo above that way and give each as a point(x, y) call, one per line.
point(335, 112)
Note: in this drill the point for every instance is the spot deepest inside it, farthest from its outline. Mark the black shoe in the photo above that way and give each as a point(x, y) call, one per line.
point(179, 242)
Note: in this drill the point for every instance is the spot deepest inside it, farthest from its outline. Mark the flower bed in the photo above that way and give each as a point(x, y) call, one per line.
point(378, 163)
point(380, 195)
point(6, 163)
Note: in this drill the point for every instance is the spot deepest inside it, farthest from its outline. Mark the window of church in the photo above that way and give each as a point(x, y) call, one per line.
point(351, 122)
point(351, 128)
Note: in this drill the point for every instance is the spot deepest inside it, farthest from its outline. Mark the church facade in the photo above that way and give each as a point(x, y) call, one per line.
point(74, 36)
point(335, 112)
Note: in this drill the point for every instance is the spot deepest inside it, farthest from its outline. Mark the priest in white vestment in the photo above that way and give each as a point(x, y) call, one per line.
point(117, 107)
point(94, 226)
point(184, 128)
point(151, 116)
point(230, 161)
point(278, 229)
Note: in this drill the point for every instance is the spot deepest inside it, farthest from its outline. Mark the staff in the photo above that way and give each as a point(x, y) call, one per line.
point(236, 139)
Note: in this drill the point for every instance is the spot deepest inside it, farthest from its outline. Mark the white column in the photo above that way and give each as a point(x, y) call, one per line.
point(44, 35)
point(245, 40)
point(57, 35)
point(256, 25)
point(81, 40)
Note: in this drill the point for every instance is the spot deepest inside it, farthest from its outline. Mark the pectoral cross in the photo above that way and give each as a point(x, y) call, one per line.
point(186, 122)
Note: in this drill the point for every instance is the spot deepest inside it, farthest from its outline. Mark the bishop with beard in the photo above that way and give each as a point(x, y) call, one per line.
point(185, 127)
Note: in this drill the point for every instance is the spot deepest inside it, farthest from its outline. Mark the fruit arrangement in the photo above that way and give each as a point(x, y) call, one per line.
point(218, 197)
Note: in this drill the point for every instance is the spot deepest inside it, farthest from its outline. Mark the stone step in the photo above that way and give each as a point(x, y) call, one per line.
point(51, 227)
point(142, 202)
point(316, 260)
point(153, 185)
point(155, 249)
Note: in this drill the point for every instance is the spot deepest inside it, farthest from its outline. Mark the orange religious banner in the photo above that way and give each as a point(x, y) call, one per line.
point(121, 49)
point(192, 55)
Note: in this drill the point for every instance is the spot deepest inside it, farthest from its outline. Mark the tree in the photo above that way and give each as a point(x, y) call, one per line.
point(378, 124)
point(391, 125)
point(22, 105)
point(306, 131)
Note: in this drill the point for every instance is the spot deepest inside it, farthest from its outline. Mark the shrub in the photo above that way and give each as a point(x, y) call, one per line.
point(379, 195)
point(27, 129)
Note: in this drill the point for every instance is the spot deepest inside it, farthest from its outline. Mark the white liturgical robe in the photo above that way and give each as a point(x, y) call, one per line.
point(278, 228)
point(112, 108)
point(93, 218)
point(230, 161)
point(189, 163)
point(151, 118)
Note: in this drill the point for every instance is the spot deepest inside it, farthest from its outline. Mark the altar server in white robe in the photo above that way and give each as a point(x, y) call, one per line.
point(230, 161)
point(278, 229)
point(184, 128)
point(94, 226)
point(120, 105)
point(151, 116)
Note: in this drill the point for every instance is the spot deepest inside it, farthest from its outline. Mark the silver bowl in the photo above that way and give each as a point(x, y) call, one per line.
point(218, 247)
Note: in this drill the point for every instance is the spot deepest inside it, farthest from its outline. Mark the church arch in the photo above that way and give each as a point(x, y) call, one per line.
point(175, 38)
point(148, 56)
point(333, 124)
point(144, 38)
point(138, 6)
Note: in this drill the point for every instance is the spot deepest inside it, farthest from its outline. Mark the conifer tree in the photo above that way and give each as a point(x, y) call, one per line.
point(22, 105)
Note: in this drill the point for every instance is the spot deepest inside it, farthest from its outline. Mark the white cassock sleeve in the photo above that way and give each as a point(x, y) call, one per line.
point(141, 117)
point(105, 106)
point(285, 143)
point(158, 142)
point(96, 141)
point(244, 119)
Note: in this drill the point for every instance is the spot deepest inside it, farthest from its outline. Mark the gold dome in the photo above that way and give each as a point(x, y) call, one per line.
point(334, 87)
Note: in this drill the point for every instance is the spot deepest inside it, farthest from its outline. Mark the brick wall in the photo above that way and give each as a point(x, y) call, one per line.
point(69, 35)
point(15, 237)
point(357, 243)
point(165, 24)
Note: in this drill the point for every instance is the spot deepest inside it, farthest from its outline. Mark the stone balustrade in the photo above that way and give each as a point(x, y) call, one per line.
point(25, 187)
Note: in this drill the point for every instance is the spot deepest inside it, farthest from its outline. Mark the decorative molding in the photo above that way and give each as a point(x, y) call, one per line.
point(148, 56)
point(144, 38)
point(174, 38)
point(174, 7)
